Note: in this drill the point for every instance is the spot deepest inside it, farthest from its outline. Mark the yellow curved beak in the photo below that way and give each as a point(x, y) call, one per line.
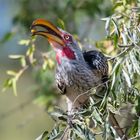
point(50, 31)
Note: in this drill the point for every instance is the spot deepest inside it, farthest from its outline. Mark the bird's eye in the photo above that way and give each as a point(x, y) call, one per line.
point(67, 37)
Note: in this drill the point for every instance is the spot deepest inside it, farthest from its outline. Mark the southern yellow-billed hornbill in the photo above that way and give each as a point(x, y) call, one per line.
point(76, 72)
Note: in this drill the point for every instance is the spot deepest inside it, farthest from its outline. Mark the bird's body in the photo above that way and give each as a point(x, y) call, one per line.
point(76, 77)
point(76, 72)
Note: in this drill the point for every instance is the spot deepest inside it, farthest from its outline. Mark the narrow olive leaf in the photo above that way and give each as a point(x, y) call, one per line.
point(97, 116)
point(42, 136)
point(127, 78)
point(107, 133)
point(133, 131)
point(105, 19)
point(104, 101)
point(124, 38)
point(11, 73)
point(83, 132)
point(55, 134)
point(30, 50)
point(7, 37)
point(50, 63)
point(25, 42)
point(30, 54)
point(115, 40)
point(113, 80)
point(107, 26)
point(61, 23)
point(72, 135)
point(44, 65)
point(138, 28)
point(124, 2)
point(16, 56)
point(117, 4)
point(7, 84)
point(115, 27)
point(129, 67)
point(20, 72)
point(135, 63)
point(60, 114)
point(117, 65)
point(114, 133)
point(134, 36)
point(23, 61)
point(14, 79)
point(14, 86)
point(78, 131)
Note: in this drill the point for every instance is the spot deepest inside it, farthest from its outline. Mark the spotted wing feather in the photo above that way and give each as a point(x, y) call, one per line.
point(60, 82)
point(98, 63)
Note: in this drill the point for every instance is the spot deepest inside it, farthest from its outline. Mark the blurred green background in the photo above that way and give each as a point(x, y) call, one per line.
point(23, 117)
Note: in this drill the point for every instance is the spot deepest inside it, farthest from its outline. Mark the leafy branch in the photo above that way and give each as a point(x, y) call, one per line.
point(122, 49)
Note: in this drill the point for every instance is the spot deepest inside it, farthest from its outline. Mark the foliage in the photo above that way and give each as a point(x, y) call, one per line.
point(122, 96)
point(54, 9)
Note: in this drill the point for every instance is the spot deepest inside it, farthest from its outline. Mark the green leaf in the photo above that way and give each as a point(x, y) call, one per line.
point(24, 42)
point(127, 78)
point(11, 72)
point(7, 84)
point(61, 23)
point(7, 37)
point(115, 72)
point(135, 63)
point(14, 86)
point(55, 134)
point(124, 37)
point(134, 129)
point(107, 26)
point(23, 61)
point(16, 56)
point(115, 40)
point(113, 80)
point(83, 132)
point(116, 27)
point(116, 66)
point(97, 116)
point(59, 113)
point(42, 136)
point(117, 4)
point(30, 50)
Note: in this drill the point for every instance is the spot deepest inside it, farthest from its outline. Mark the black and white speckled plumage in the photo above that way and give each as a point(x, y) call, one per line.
point(74, 77)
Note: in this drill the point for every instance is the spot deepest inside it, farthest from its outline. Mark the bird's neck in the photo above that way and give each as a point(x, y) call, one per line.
point(65, 53)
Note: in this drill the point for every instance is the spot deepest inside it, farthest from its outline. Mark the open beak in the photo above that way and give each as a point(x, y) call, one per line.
point(48, 30)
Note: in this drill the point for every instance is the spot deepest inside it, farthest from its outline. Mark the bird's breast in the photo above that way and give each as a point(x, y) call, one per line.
point(77, 76)
point(78, 79)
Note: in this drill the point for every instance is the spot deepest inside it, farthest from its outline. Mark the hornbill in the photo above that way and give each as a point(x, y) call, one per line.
point(77, 72)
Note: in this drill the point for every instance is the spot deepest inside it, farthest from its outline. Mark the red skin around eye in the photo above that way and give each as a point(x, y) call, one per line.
point(66, 51)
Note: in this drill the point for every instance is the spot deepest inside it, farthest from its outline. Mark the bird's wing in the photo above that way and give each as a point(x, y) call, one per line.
point(60, 82)
point(98, 63)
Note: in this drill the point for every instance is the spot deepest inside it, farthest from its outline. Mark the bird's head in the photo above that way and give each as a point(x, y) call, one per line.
point(63, 43)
